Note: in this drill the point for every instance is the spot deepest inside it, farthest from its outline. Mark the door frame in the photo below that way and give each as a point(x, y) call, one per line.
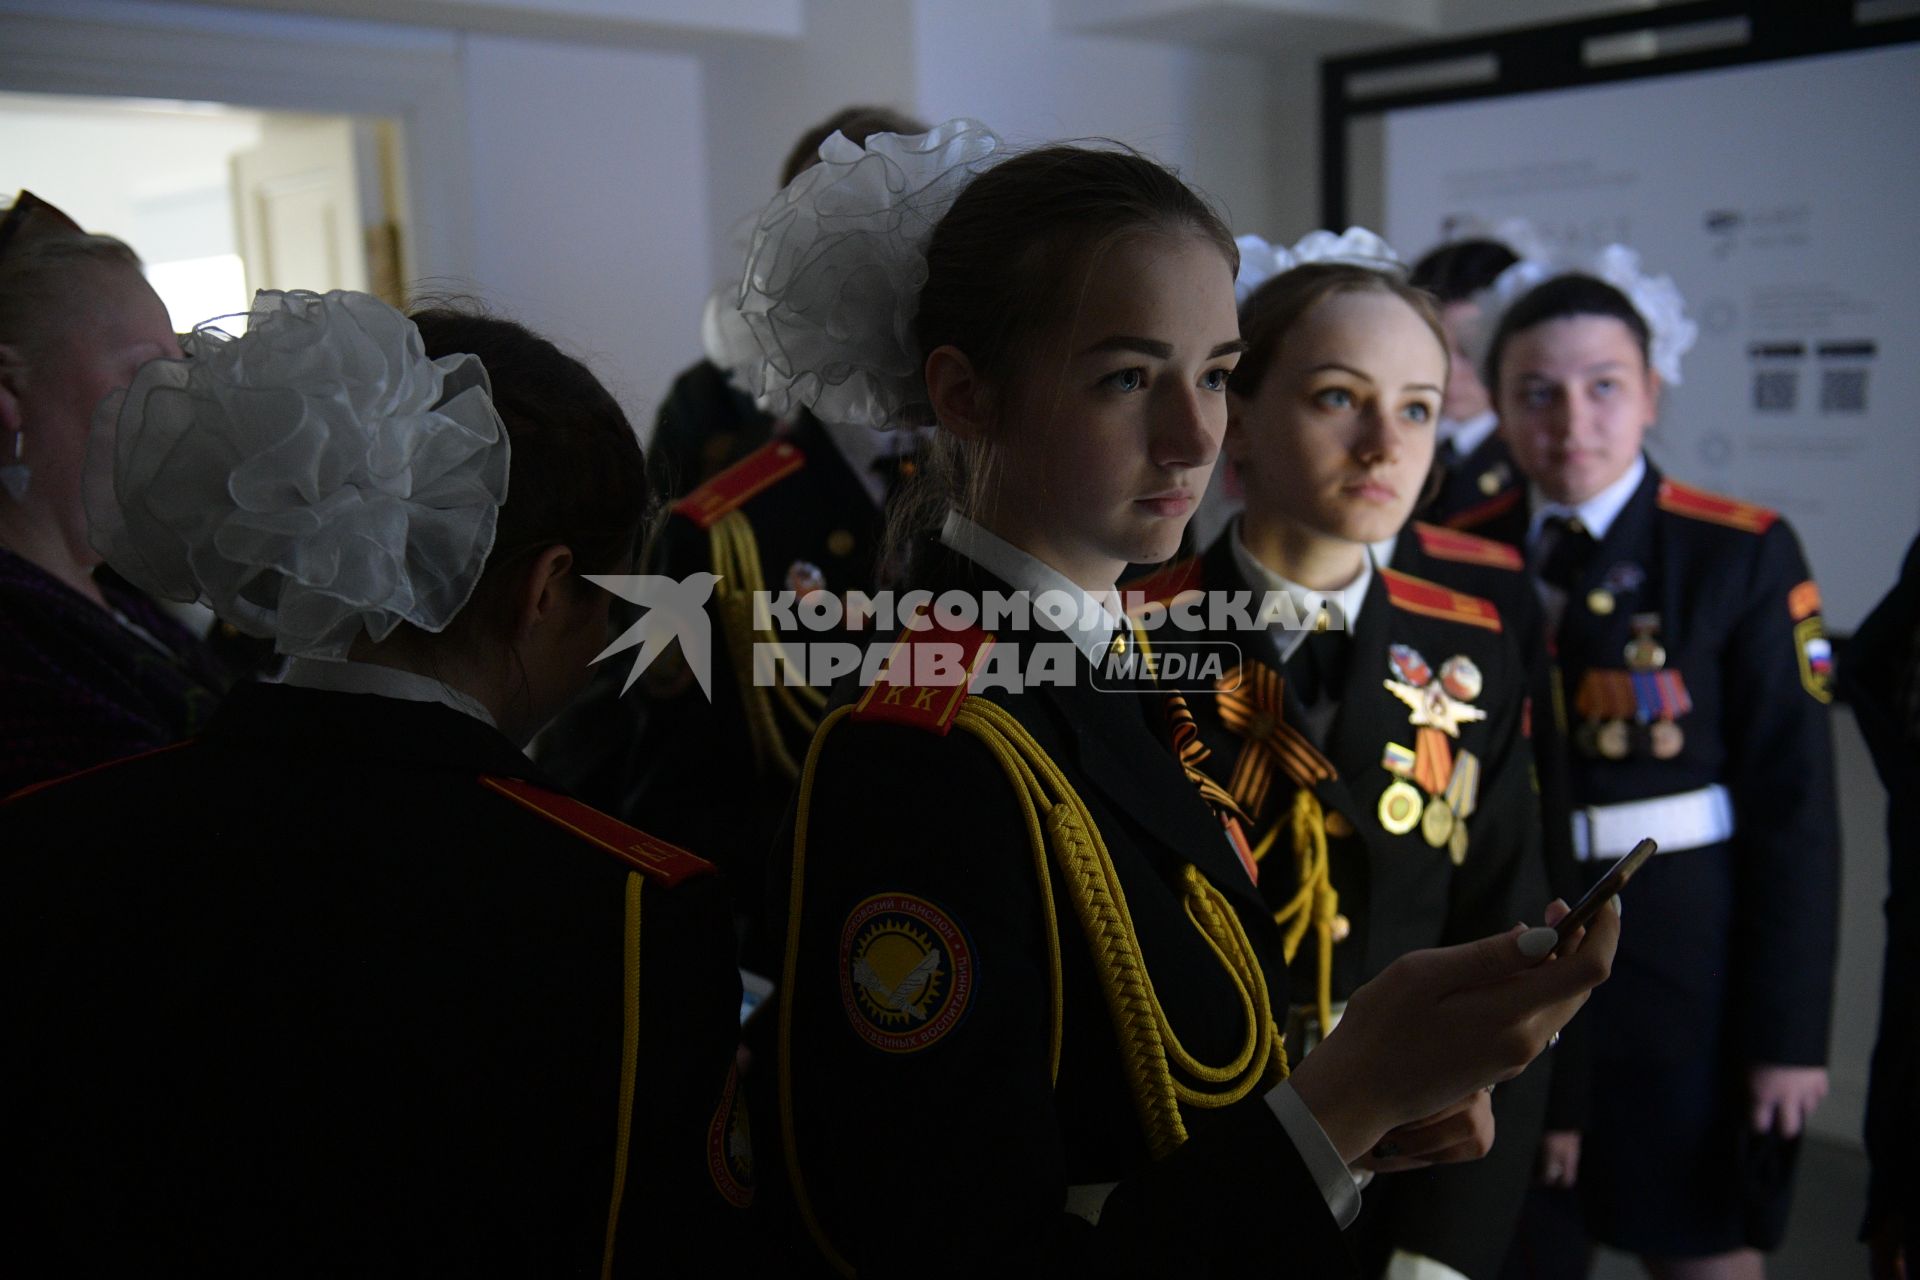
point(274, 62)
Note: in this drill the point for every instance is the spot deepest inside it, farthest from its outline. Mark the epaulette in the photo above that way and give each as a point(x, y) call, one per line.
point(654, 858)
point(1417, 595)
point(1492, 509)
point(1685, 500)
point(922, 686)
point(1166, 582)
point(1466, 548)
point(45, 783)
point(765, 466)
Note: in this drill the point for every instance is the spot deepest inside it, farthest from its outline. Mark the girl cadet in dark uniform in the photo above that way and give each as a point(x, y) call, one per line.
point(343, 983)
point(1030, 996)
point(1374, 732)
point(1695, 674)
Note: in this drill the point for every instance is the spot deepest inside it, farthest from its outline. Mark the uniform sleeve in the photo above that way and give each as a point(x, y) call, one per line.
point(689, 1183)
point(1786, 823)
point(916, 1051)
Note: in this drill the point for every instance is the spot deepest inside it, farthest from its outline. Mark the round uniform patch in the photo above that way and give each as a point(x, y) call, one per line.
point(906, 972)
point(730, 1147)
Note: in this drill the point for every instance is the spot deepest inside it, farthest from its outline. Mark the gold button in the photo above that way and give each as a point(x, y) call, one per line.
point(1489, 482)
point(840, 542)
point(1341, 928)
point(1338, 825)
point(1600, 601)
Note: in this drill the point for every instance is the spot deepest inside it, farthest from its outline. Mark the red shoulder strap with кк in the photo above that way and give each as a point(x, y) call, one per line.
point(924, 681)
point(654, 858)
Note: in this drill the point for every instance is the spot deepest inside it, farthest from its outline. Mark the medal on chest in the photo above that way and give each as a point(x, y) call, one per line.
point(1635, 710)
point(1434, 787)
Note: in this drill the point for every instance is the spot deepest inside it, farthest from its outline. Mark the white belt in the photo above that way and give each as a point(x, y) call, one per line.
point(1689, 820)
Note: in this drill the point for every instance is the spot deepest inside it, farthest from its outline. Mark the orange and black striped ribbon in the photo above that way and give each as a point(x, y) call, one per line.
point(1252, 705)
point(1190, 751)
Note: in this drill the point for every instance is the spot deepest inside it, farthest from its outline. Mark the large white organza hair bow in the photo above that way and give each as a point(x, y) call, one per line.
point(1356, 246)
point(823, 314)
point(316, 478)
point(1671, 333)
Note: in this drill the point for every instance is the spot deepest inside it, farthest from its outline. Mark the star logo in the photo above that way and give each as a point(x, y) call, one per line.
point(676, 609)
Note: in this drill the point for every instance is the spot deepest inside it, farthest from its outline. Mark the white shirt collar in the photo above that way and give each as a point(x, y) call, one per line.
point(1343, 603)
point(1469, 434)
point(1028, 573)
point(383, 682)
point(863, 446)
point(1381, 552)
point(1597, 513)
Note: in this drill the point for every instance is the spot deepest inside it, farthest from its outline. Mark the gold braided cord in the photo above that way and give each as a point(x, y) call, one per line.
point(789, 971)
point(1146, 1036)
point(736, 560)
point(629, 1061)
point(1315, 903)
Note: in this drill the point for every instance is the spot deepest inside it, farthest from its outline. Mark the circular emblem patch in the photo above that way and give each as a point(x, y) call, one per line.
point(730, 1147)
point(906, 972)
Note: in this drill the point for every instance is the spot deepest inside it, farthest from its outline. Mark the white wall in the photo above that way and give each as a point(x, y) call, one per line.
point(590, 216)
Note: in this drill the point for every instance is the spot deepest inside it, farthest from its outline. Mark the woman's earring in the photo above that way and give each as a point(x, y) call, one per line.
point(14, 474)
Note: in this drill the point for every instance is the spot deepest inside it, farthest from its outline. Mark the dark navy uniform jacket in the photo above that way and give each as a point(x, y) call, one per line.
point(341, 986)
point(662, 753)
point(705, 425)
point(1880, 676)
point(1481, 491)
point(1397, 892)
point(1497, 572)
point(952, 1059)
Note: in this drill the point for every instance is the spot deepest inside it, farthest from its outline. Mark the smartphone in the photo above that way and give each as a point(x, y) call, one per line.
point(1603, 890)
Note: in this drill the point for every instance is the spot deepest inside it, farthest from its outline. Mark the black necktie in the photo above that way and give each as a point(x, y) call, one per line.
point(1569, 548)
point(1318, 668)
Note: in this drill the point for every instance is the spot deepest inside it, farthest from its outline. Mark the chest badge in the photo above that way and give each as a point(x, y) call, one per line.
point(1433, 787)
point(1635, 710)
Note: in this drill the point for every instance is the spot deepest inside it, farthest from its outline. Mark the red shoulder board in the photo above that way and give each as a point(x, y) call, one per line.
point(765, 466)
point(44, 783)
point(1166, 582)
point(1492, 509)
point(1685, 500)
point(925, 678)
point(1417, 595)
point(656, 859)
point(1466, 548)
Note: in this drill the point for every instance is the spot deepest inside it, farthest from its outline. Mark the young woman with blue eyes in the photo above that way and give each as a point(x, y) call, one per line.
point(1375, 734)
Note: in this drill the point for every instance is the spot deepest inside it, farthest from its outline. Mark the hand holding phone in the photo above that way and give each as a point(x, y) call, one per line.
point(1602, 892)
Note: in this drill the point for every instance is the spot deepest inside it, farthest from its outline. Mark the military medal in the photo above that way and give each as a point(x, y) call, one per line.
point(1399, 807)
point(804, 578)
point(1665, 739)
point(1612, 740)
point(1644, 652)
point(1433, 788)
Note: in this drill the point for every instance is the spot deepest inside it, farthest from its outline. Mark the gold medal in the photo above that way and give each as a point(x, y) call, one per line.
point(1600, 602)
point(1664, 739)
point(1644, 652)
point(840, 542)
point(1436, 824)
point(1338, 826)
point(1399, 808)
point(1457, 842)
point(1611, 740)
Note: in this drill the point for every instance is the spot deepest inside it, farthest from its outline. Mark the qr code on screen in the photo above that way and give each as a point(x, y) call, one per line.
point(1843, 391)
point(1776, 390)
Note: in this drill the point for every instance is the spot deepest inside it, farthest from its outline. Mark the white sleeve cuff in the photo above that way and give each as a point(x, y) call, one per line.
point(1414, 1266)
point(1329, 1171)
